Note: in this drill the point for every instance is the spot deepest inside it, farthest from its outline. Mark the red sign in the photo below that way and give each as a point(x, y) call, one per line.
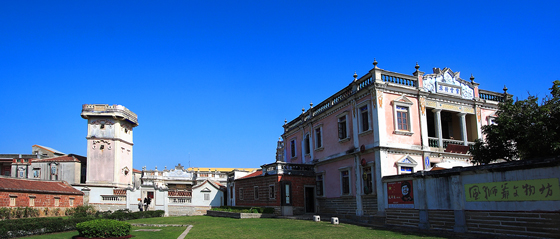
point(400, 194)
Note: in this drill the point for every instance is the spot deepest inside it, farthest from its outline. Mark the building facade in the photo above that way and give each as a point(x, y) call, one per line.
point(386, 123)
point(287, 187)
point(70, 168)
point(54, 196)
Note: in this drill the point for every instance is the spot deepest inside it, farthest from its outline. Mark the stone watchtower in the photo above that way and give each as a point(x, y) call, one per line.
point(109, 144)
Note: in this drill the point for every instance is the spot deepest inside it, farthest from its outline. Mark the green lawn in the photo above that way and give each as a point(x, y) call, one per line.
point(216, 227)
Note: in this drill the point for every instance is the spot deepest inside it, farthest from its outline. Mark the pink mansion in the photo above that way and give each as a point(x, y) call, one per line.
point(384, 123)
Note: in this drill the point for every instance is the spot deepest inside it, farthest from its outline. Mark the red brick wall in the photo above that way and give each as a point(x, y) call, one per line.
point(41, 200)
point(248, 185)
point(298, 188)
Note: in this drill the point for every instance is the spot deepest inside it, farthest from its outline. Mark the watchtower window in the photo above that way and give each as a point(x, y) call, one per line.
point(102, 126)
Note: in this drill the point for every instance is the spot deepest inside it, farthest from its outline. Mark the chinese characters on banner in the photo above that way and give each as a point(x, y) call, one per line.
point(400, 194)
point(523, 190)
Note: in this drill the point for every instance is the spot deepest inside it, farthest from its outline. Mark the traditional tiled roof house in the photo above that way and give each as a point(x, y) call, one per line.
point(54, 195)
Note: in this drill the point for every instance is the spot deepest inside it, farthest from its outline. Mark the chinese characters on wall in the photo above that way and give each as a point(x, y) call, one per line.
point(523, 190)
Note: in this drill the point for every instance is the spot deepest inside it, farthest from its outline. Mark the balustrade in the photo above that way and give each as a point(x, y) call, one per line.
point(451, 141)
point(180, 200)
point(113, 198)
point(487, 95)
point(433, 142)
point(178, 193)
point(398, 80)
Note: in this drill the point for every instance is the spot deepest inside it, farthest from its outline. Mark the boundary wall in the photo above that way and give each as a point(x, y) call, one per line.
point(520, 198)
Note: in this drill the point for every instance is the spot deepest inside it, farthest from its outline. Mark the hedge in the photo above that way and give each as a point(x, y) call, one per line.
point(32, 226)
point(103, 228)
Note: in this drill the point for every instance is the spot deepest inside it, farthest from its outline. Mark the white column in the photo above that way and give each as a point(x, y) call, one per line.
point(424, 127)
point(357, 167)
point(358, 179)
point(463, 122)
point(311, 144)
point(380, 159)
point(378, 119)
point(437, 117)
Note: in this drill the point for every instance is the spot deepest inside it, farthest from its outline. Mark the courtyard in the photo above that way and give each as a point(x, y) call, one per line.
point(217, 227)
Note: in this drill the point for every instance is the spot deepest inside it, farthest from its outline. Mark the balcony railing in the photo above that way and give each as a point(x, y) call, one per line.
point(288, 168)
point(113, 198)
point(401, 80)
point(179, 193)
point(434, 142)
point(180, 200)
point(489, 95)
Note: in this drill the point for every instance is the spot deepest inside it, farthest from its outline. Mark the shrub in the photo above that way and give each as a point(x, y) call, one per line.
point(56, 211)
point(83, 211)
point(103, 228)
point(4, 213)
point(30, 226)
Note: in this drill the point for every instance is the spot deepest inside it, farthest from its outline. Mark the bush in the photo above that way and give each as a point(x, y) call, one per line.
point(4, 213)
point(31, 226)
point(18, 212)
point(103, 228)
point(125, 214)
point(83, 211)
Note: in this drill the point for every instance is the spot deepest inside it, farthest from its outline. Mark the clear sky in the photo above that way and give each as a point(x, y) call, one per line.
point(213, 81)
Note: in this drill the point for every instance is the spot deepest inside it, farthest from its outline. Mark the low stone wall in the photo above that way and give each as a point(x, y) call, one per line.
point(402, 217)
point(337, 206)
point(106, 207)
point(441, 219)
point(239, 215)
point(369, 204)
point(534, 224)
point(175, 210)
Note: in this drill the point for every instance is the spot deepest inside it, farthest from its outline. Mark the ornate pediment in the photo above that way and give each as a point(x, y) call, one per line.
point(403, 99)
point(447, 82)
point(407, 161)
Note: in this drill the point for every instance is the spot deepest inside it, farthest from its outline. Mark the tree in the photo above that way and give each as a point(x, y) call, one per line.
point(523, 129)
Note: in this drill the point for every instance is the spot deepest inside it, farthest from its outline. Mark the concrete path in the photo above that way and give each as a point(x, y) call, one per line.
point(184, 234)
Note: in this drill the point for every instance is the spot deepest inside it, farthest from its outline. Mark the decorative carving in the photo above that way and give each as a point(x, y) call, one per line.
point(125, 170)
point(380, 98)
point(479, 114)
point(423, 105)
point(447, 82)
point(102, 122)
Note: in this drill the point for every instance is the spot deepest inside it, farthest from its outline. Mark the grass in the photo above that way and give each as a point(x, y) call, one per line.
point(217, 227)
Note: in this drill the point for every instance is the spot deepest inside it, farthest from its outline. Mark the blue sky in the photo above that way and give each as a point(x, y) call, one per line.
point(213, 81)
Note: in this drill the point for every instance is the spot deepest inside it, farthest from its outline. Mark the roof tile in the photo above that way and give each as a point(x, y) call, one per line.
point(37, 186)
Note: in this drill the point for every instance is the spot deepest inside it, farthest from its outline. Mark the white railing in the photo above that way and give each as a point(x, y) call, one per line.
point(180, 200)
point(113, 198)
